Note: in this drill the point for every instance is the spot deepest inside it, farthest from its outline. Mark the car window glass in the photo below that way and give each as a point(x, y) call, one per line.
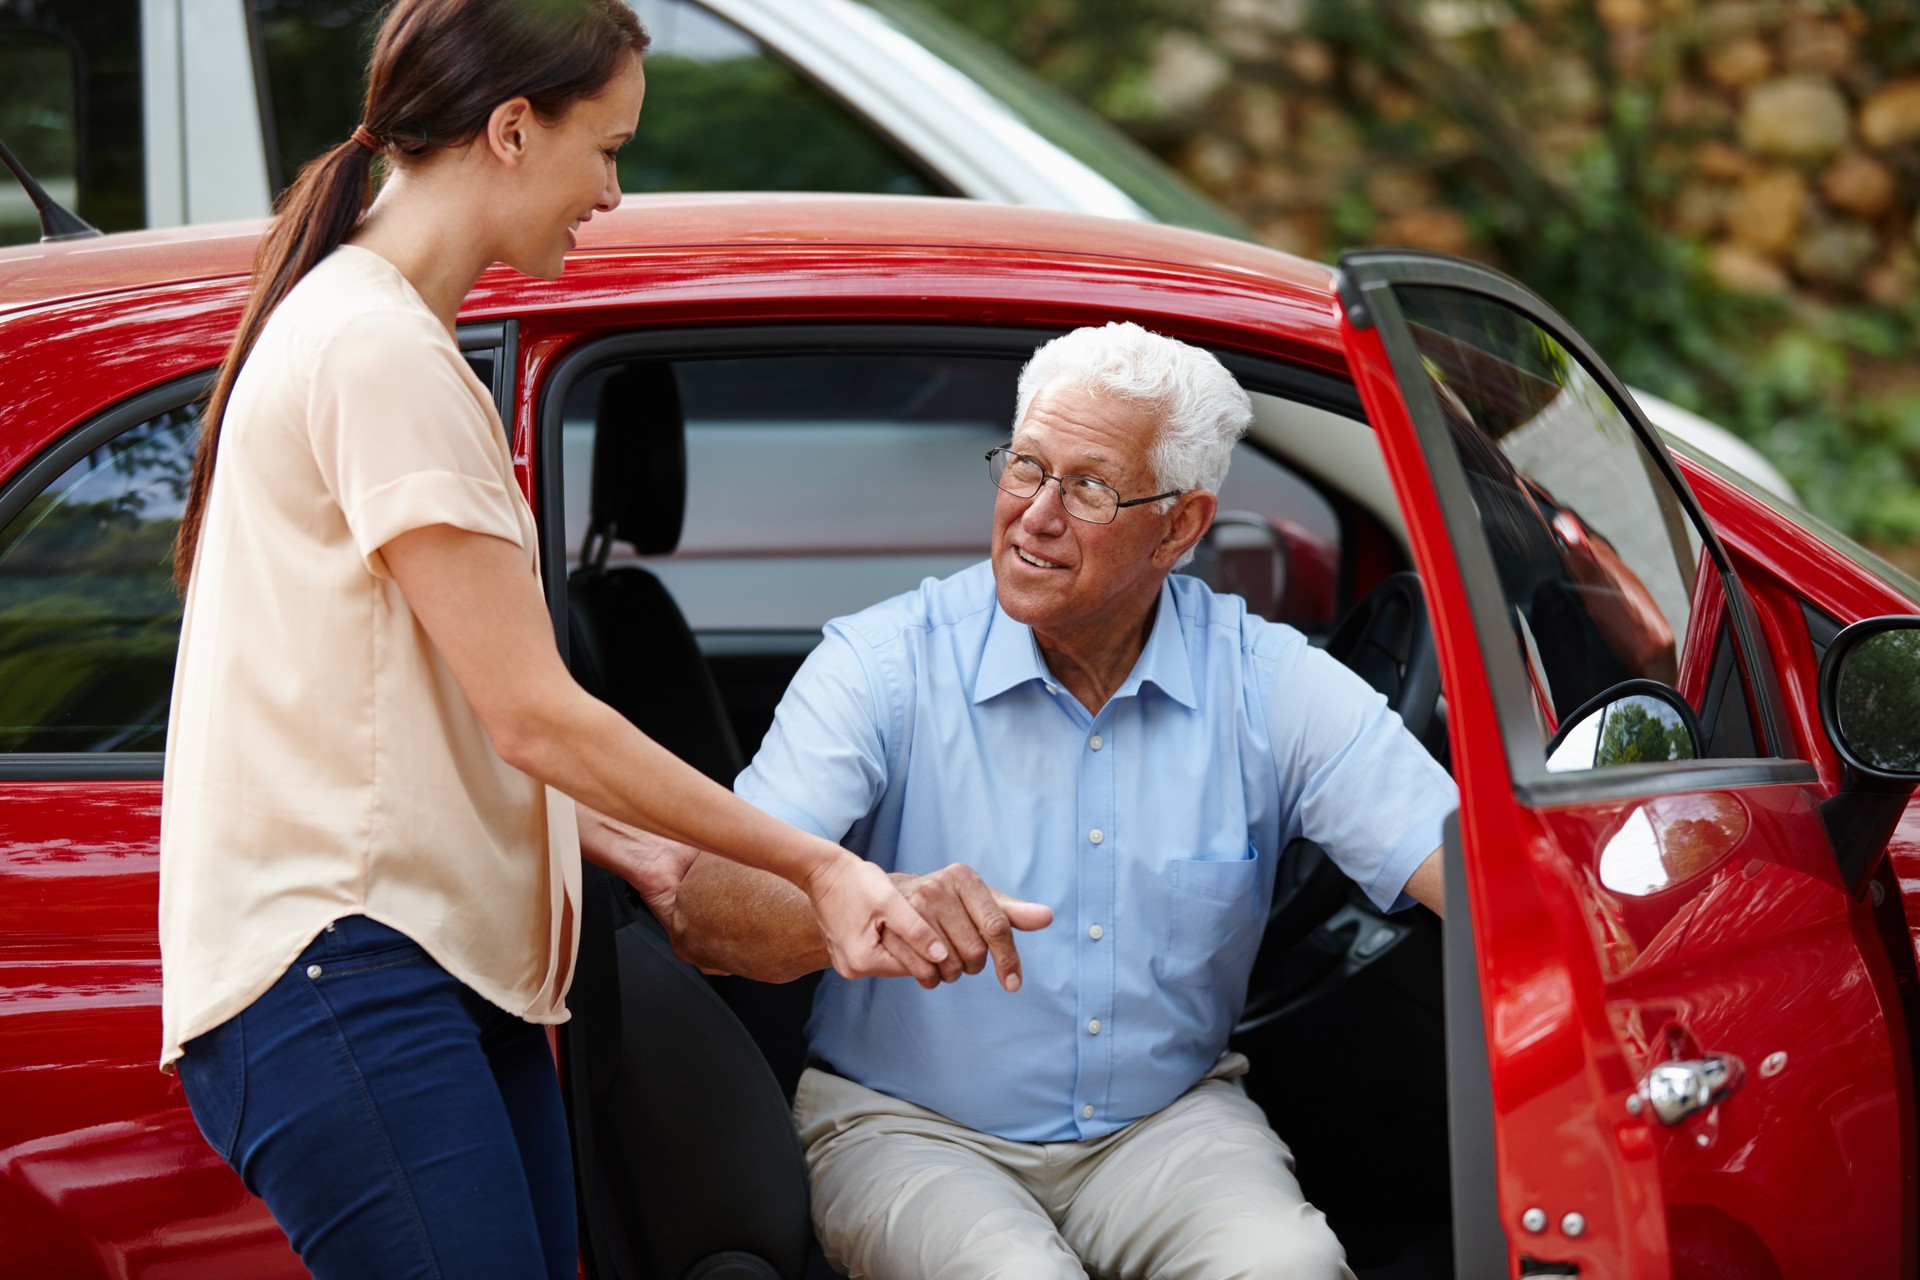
point(311, 65)
point(820, 484)
point(37, 124)
point(70, 111)
point(1599, 564)
point(723, 114)
point(89, 619)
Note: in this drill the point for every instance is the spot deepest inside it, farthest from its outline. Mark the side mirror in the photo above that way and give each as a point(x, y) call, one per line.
point(1634, 722)
point(1870, 708)
point(1870, 697)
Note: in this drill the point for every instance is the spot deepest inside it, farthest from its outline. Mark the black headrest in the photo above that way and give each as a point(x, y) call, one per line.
point(639, 460)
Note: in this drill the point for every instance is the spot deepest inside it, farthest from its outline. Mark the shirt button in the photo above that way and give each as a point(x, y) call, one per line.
point(1051, 689)
point(1093, 1026)
point(1086, 1112)
point(1096, 835)
point(1097, 742)
point(1096, 933)
point(313, 971)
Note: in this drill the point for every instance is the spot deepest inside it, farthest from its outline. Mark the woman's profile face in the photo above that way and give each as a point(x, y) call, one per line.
point(567, 173)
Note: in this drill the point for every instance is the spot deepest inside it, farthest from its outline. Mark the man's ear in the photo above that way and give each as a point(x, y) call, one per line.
point(509, 126)
point(1188, 522)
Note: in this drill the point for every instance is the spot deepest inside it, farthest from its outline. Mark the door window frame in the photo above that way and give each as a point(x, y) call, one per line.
point(1365, 286)
point(501, 337)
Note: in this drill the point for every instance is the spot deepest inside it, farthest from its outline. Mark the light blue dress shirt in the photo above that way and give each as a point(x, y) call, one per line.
point(927, 730)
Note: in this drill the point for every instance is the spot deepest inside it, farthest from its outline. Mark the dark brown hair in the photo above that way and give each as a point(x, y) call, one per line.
point(439, 68)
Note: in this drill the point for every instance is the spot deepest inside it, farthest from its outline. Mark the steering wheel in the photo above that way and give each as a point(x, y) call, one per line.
point(1386, 640)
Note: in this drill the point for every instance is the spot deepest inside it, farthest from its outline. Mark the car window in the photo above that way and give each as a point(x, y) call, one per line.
point(1601, 569)
point(723, 114)
point(70, 111)
point(89, 619)
point(310, 63)
point(819, 484)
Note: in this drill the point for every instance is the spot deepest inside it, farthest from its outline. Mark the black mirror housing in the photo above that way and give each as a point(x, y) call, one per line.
point(1870, 707)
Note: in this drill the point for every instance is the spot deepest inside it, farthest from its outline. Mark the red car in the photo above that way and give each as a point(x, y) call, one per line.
point(1667, 1029)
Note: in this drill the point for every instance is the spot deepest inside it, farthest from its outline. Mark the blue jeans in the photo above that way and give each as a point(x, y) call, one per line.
point(395, 1123)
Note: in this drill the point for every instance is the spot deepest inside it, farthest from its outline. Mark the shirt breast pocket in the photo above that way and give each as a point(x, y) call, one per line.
point(1214, 918)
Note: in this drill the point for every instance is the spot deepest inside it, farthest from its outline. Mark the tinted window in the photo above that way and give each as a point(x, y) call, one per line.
point(820, 484)
point(88, 615)
point(1599, 563)
point(70, 111)
point(723, 114)
point(313, 56)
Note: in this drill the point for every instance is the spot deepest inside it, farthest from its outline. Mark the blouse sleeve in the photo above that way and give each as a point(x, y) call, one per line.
point(402, 439)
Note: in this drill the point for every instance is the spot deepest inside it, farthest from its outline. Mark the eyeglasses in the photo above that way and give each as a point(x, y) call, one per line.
point(1085, 498)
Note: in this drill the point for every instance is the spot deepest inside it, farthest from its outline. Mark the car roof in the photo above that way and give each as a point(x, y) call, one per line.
point(36, 275)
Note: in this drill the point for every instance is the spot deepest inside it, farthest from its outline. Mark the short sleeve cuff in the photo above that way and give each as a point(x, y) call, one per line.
point(1387, 889)
point(424, 498)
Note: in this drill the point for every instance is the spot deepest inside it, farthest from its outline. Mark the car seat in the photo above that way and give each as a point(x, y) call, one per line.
point(687, 1162)
point(629, 644)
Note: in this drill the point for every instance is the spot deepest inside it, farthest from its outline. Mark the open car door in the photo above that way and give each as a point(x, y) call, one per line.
point(1675, 1043)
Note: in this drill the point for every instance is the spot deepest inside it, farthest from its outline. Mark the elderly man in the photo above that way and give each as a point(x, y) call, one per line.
point(1125, 747)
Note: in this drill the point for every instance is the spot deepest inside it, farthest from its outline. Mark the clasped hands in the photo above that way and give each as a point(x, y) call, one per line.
point(727, 918)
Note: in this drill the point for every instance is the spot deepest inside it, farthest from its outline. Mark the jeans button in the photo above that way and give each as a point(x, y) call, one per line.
point(313, 971)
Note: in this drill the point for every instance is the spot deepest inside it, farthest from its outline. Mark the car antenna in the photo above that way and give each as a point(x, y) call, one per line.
point(56, 221)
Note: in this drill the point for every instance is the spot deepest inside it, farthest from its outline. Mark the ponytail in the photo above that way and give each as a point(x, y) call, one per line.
point(315, 216)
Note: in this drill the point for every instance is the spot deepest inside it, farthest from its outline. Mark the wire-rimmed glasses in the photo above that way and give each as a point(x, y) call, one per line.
point(1085, 498)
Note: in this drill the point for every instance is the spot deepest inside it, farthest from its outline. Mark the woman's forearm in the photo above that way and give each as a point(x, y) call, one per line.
point(581, 746)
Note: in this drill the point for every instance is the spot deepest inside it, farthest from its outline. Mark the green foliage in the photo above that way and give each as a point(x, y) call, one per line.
point(1097, 51)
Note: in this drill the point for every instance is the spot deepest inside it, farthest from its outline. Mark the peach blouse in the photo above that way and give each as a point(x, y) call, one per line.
point(321, 759)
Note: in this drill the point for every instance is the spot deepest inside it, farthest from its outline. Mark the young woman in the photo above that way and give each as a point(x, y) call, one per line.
point(369, 864)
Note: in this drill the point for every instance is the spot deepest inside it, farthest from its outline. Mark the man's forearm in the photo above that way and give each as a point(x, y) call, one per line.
point(731, 918)
point(720, 915)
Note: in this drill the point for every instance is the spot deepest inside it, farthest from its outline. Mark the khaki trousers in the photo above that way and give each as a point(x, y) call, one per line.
point(1202, 1190)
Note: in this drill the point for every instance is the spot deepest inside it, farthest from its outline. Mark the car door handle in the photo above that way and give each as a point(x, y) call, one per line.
point(1675, 1090)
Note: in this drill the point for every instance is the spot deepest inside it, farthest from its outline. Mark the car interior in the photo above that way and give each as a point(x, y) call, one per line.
point(723, 498)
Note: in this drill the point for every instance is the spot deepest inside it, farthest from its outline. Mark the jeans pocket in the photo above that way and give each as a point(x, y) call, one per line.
point(213, 1075)
point(360, 945)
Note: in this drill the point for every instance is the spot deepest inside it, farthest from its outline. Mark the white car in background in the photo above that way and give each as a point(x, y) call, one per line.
point(168, 112)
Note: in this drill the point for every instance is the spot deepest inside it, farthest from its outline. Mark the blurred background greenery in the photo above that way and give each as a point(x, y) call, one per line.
point(1719, 194)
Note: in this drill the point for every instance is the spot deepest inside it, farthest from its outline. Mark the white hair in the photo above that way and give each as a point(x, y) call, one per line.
point(1202, 410)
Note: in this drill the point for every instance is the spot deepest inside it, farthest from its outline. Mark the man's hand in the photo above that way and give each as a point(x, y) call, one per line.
point(654, 865)
point(975, 921)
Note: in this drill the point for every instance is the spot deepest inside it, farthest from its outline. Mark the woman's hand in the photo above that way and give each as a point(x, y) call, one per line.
point(869, 929)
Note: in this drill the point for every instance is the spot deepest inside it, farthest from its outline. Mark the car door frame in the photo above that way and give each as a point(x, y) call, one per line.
point(1503, 955)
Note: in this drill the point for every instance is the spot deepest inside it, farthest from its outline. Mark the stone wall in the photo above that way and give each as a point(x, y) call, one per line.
point(1782, 138)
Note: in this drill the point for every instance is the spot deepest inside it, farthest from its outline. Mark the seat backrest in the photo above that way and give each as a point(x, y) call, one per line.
point(631, 646)
point(688, 1163)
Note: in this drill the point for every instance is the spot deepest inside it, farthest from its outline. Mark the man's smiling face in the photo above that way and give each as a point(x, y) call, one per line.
point(1067, 578)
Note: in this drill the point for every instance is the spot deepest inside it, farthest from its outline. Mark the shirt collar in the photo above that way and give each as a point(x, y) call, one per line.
point(1012, 657)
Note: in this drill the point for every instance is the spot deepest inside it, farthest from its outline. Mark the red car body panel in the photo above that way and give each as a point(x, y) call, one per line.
point(102, 1174)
